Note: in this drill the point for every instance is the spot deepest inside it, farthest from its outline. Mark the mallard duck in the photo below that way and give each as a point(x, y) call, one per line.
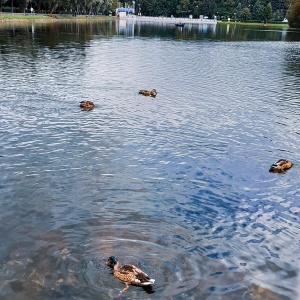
point(129, 274)
point(87, 104)
point(281, 166)
point(151, 93)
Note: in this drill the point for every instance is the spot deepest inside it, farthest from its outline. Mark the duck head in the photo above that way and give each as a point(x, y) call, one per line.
point(111, 261)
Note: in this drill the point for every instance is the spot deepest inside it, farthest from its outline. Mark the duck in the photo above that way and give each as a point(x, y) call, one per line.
point(129, 274)
point(151, 93)
point(280, 166)
point(87, 104)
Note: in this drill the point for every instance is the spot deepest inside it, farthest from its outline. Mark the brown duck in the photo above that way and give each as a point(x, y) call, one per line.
point(281, 166)
point(129, 274)
point(151, 93)
point(87, 104)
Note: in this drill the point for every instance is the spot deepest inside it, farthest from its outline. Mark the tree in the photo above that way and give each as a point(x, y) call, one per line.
point(38, 6)
point(293, 14)
point(23, 5)
point(268, 10)
point(276, 15)
point(239, 11)
point(256, 10)
point(245, 14)
point(183, 8)
point(262, 12)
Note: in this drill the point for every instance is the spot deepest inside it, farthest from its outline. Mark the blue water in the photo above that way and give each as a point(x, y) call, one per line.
point(177, 184)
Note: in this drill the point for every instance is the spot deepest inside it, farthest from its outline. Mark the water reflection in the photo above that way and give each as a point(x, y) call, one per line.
point(177, 184)
point(87, 30)
point(229, 32)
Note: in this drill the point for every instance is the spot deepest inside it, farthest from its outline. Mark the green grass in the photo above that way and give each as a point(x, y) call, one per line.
point(22, 17)
point(42, 17)
point(281, 25)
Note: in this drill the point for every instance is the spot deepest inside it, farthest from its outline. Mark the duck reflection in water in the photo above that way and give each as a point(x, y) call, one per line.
point(130, 274)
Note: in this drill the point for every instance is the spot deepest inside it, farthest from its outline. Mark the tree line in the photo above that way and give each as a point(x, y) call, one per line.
point(238, 10)
point(87, 7)
point(261, 10)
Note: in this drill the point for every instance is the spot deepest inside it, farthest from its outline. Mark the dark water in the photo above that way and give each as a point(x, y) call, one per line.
point(178, 185)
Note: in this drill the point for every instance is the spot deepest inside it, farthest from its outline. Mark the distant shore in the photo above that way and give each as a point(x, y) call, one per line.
point(170, 20)
point(199, 21)
point(20, 17)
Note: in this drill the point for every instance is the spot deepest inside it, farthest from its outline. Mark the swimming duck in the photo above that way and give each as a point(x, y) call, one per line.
point(151, 93)
point(87, 104)
point(281, 166)
point(129, 274)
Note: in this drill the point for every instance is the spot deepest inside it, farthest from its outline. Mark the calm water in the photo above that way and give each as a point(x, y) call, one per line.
point(178, 185)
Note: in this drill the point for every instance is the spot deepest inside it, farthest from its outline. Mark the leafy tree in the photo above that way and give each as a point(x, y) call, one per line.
point(124, 2)
point(262, 12)
point(239, 10)
point(256, 10)
point(183, 8)
point(245, 14)
point(23, 4)
point(268, 12)
point(293, 14)
point(276, 15)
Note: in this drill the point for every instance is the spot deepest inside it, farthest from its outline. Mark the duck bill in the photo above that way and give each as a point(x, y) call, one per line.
point(109, 264)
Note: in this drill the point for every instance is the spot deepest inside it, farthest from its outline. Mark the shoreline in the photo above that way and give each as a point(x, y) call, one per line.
point(169, 20)
point(10, 18)
point(20, 17)
point(198, 21)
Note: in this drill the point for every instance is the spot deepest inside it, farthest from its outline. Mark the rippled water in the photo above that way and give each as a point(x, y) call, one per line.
point(177, 184)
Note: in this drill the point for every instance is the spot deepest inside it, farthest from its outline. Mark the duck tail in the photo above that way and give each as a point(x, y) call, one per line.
point(275, 169)
point(149, 282)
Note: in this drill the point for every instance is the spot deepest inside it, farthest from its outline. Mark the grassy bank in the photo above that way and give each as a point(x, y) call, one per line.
point(4, 17)
point(281, 25)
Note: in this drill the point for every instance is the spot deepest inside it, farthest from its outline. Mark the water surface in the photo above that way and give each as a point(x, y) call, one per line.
point(177, 184)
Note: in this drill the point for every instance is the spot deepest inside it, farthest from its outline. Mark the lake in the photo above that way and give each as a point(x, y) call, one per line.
point(178, 185)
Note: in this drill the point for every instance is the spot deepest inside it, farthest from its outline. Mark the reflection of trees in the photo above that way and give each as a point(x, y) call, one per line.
point(24, 38)
point(15, 37)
